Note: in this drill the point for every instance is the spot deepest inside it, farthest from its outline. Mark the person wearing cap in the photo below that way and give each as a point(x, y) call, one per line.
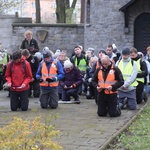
point(142, 73)
point(18, 75)
point(48, 74)
point(33, 60)
point(71, 82)
point(90, 52)
point(29, 43)
point(129, 69)
point(107, 79)
point(112, 56)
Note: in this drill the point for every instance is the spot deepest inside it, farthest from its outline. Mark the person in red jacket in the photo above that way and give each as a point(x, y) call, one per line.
point(18, 75)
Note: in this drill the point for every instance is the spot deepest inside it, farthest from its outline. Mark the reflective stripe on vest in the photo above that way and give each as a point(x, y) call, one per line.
point(139, 70)
point(82, 66)
point(51, 74)
point(127, 71)
point(110, 80)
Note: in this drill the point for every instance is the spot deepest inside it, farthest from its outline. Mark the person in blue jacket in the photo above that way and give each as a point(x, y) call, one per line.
point(48, 74)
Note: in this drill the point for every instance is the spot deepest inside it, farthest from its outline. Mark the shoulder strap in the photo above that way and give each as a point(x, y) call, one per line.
point(23, 65)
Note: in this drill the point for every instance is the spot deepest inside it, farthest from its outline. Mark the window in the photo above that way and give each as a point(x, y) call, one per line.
point(33, 4)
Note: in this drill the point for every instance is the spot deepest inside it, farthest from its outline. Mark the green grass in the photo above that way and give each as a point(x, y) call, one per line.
point(137, 136)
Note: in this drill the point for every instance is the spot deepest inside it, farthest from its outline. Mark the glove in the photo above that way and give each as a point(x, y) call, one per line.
point(90, 80)
point(40, 80)
point(49, 80)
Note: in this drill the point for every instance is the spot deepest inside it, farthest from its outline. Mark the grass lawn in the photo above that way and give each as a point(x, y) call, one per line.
point(137, 135)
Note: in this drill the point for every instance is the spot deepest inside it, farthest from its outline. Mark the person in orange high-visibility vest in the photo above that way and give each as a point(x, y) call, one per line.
point(107, 79)
point(48, 74)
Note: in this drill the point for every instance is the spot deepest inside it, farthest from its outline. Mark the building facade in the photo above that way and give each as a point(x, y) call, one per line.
point(123, 22)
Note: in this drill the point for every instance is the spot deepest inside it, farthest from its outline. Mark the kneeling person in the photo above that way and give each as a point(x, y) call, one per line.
point(107, 79)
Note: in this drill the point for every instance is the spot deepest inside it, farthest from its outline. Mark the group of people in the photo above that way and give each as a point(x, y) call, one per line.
point(115, 79)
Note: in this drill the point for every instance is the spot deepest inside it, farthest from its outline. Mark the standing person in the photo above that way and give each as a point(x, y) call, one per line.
point(81, 61)
point(30, 43)
point(142, 73)
point(18, 75)
point(129, 69)
point(71, 82)
point(107, 79)
point(48, 74)
point(34, 85)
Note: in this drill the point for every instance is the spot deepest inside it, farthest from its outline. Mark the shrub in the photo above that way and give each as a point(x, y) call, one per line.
point(29, 135)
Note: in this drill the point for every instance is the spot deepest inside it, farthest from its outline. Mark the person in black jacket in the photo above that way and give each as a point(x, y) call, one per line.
point(33, 60)
point(29, 43)
point(107, 79)
point(142, 73)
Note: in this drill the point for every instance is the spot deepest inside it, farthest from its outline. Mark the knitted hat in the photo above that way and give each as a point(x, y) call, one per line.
point(125, 51)
point(103, 51)
point(67, 64)
point(46, 52)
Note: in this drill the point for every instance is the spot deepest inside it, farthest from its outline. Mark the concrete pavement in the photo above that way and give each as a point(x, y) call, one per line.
point(80, 127)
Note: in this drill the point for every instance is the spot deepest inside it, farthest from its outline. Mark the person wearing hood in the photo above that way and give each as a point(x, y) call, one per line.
point(129, 69)
point(18, 75)
point(142, 73)
point(48, 74)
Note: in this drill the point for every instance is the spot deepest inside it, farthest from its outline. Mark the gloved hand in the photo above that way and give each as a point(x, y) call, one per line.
point(49, 80)
point(90, 80)
point(40, 80)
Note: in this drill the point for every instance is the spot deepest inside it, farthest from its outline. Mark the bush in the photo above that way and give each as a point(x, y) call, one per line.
point(29, 135)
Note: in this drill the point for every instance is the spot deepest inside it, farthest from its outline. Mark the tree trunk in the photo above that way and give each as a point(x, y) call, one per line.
point(60, 11)
point(82, 20)
point(38, 11)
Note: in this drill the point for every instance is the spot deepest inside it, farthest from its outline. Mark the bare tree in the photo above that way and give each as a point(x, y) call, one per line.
point(64, 11)
point(60, 11)
point(38, 11)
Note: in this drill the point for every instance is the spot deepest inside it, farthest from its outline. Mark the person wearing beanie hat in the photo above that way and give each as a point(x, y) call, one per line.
point(125, 51)
point(67, 64)
point(48, 74)
point(39, 56)
point(46, 52)
point(71, 82)
point(129, 69)
point(102, 51)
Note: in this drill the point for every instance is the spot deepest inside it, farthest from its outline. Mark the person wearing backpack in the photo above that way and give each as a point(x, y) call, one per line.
point(129, 69)
point(48, 74)
point(18, 76)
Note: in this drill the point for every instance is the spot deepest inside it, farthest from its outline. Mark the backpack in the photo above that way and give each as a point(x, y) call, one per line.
point(23, 65)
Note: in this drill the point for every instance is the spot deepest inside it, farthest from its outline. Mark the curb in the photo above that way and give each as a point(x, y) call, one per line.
point(109, 141)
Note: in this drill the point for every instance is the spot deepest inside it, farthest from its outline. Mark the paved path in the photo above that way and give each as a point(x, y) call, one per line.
point(79, 124)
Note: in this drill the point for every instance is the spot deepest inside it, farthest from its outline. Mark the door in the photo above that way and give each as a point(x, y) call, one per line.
point(142, 32)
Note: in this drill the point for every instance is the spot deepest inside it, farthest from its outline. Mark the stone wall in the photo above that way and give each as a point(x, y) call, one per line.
point(107, 25)
point(60, 36)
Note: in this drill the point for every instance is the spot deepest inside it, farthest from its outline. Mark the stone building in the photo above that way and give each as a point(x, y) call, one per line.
point(123, 22)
